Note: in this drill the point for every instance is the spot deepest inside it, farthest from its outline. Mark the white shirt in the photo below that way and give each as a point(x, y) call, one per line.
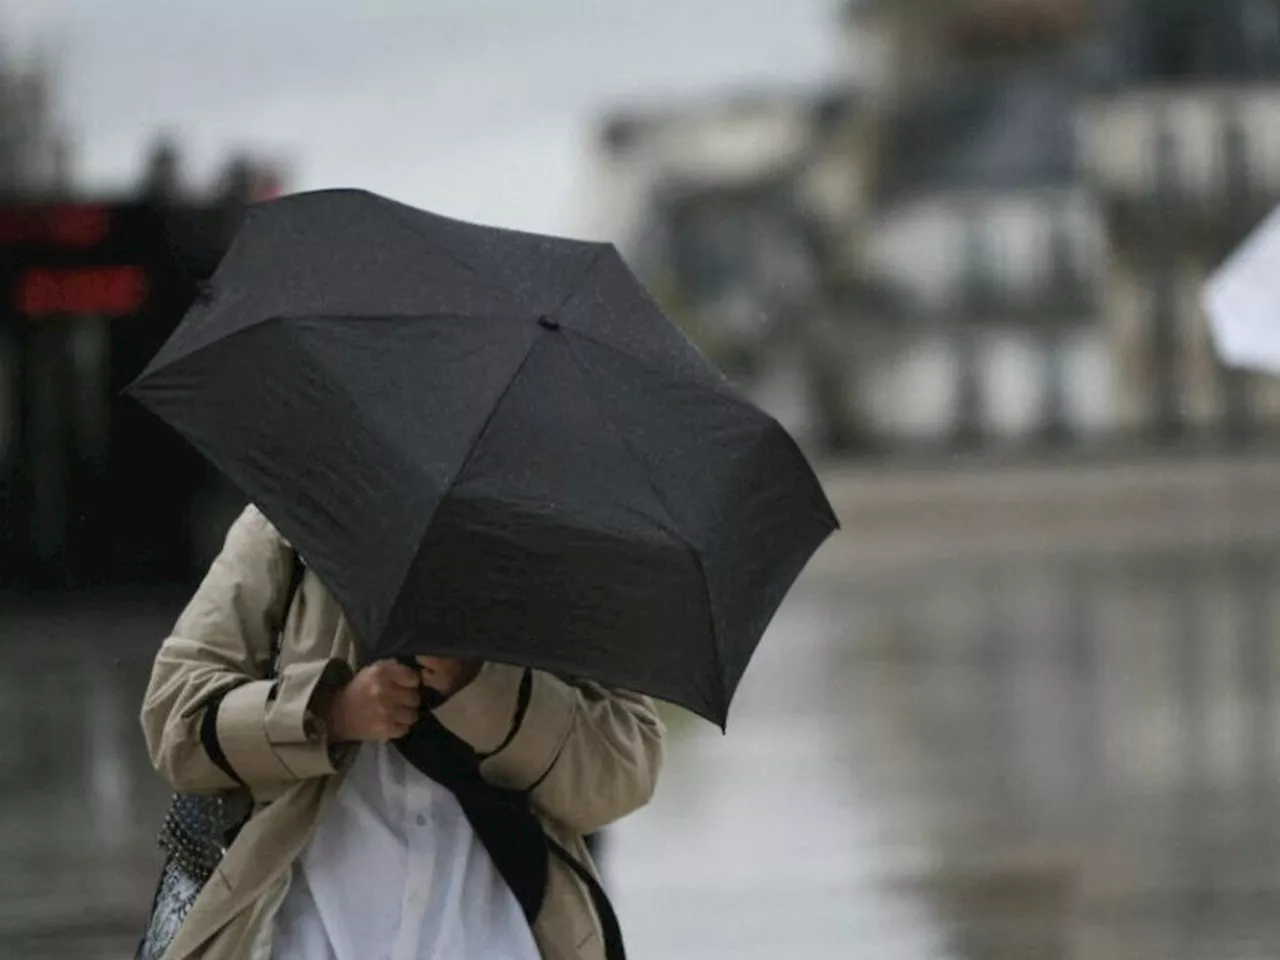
point(395, 872)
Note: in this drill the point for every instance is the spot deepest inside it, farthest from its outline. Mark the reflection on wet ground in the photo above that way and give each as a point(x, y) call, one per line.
point(1053, 757)
point(1050, 758)
point(79, 804)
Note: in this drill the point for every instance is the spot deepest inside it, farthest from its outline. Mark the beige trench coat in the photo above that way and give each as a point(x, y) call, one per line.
point(594, 753)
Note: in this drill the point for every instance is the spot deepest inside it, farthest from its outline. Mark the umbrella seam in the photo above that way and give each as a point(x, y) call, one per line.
point(286, 318)
point(488, 420)
point(300, 347)
point(729, 394)
point(674, 530)
point(462, 466)
point(576, 287)
point(402, 214)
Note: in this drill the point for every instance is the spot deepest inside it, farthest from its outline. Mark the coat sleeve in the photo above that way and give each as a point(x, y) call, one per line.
point(210, 718)
point(588, 755)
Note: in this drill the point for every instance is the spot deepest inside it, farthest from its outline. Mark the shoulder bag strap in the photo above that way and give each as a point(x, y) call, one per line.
point(613, 948)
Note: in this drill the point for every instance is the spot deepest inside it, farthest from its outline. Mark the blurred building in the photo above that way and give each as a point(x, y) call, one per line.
point(936, 210)
point(978, 220)
point(951, 248)
point(90, 287)
point(717, 205)
point(33, 148)
point(1181, 151)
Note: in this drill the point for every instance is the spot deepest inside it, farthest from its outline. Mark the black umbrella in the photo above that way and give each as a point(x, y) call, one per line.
point(490, 443)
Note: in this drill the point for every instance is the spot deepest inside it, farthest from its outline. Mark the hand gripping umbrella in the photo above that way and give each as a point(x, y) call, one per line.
point(494, 444)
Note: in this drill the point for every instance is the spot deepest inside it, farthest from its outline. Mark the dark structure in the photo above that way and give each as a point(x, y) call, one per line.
point(1171, 41)
point(92, 487)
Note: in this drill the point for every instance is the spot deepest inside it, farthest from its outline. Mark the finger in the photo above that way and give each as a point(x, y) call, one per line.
point(402, 696)
point(398, 717)
point(402, 676)
point(404, 717)
point(391, 731)
point(401, 721)
point(441, 682)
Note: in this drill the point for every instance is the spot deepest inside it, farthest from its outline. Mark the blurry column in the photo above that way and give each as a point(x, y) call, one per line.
point(1164, 224)
point(1064, 286)
point(89, 400)
point(997, 659)
point(1252, 574)
point(1084, 654)
point(47, 448)
point(10, 412)
point(161, 180)
point(1190, 846)
point(967, 431)
point(108, 729)
point(1238, 193)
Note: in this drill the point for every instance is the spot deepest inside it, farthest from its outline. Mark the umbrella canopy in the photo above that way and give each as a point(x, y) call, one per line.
point(490, 443)
point(1242, 300)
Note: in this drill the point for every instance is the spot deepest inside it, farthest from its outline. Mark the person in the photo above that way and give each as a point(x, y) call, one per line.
point(392, 801)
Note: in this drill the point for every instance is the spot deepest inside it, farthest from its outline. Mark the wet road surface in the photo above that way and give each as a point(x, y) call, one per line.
point(79, 804)
point(1073, 758)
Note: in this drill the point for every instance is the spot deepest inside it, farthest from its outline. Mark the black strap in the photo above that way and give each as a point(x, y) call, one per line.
point(613, 948)
point(209, 737)
point(504, 823)
point(522, 707)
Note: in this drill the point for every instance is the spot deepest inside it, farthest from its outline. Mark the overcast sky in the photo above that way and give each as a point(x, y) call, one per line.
point(478, 108)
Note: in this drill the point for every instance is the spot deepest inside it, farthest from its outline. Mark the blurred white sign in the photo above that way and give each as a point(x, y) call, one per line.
point(1242, 301)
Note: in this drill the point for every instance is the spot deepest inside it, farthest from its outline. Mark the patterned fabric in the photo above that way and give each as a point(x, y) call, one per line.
point(198, 830)
point(196, 833)
point(175, 894)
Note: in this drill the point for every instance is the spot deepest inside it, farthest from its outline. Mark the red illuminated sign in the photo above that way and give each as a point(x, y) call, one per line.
point(107, 291)
point(68, 225)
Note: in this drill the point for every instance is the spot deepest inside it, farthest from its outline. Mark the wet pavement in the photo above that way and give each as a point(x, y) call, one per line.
point(1029, 715)
point(79, 804)
point(1052, 753)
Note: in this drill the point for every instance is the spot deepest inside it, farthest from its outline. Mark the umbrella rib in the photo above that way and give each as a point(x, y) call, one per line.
point(466, 458)
point(576, 286)
point(728, 393)
point(673, 527)
point(444, 249)
point(403, 216)
point(534, 342)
